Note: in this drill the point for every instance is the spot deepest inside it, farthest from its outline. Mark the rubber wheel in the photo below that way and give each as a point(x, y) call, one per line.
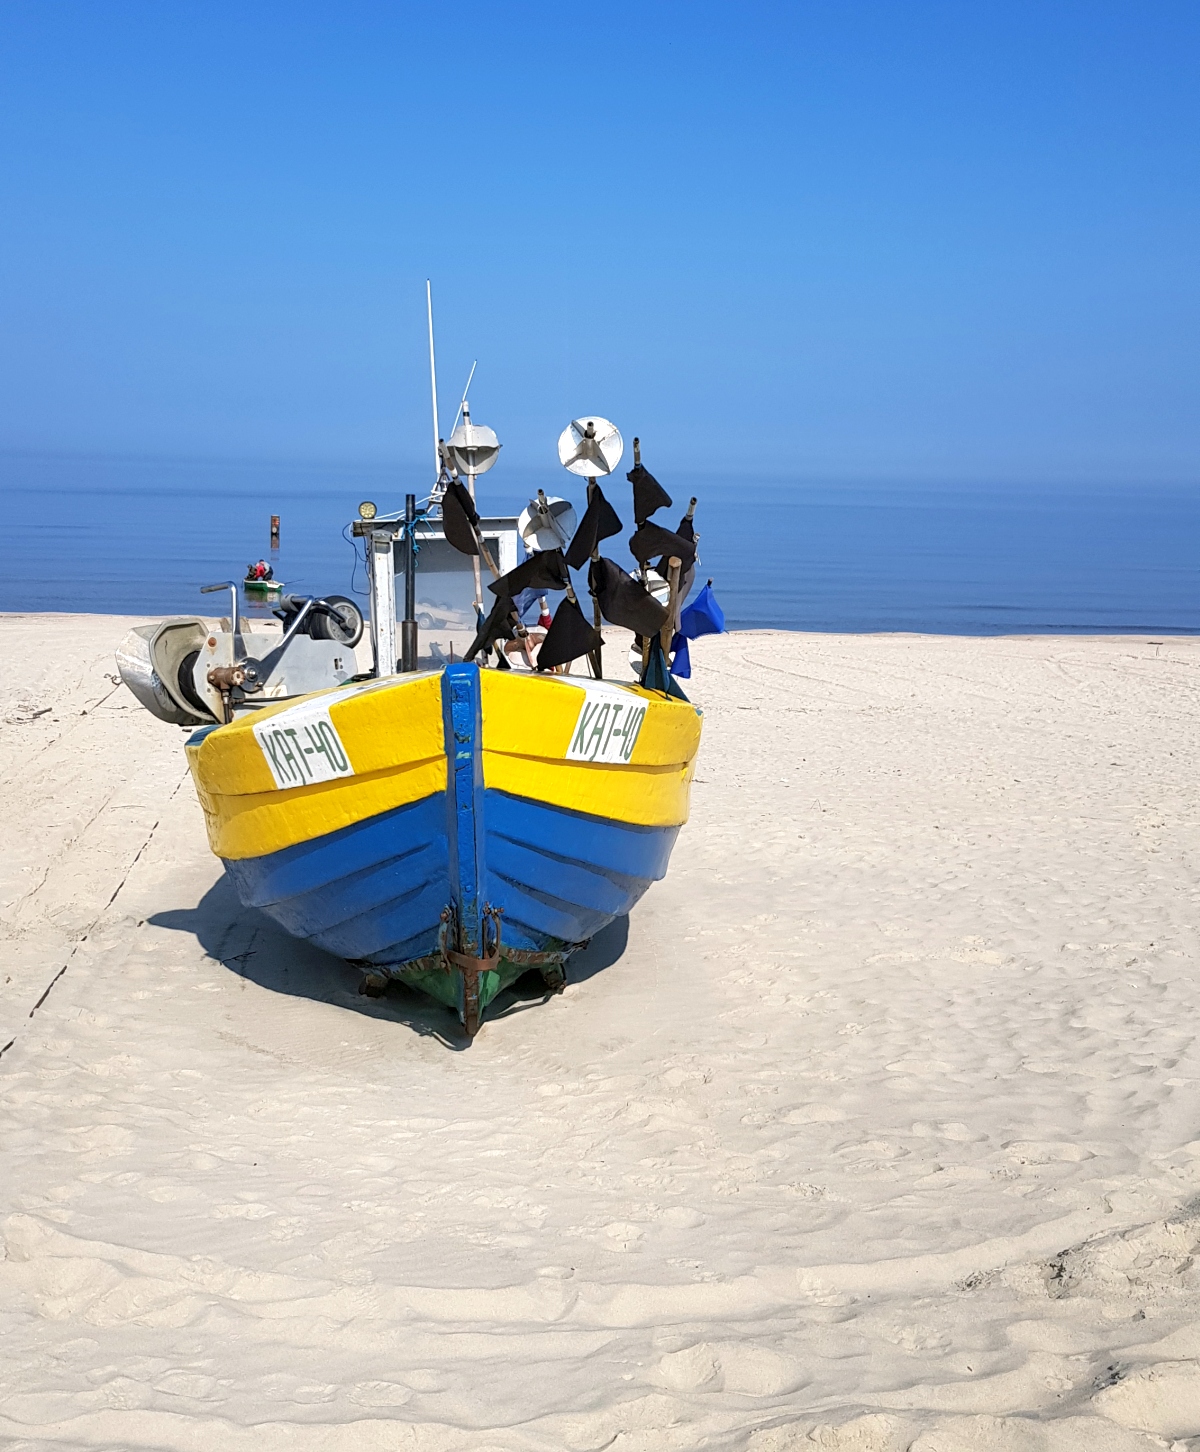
point(345, 624)
point(187, 685)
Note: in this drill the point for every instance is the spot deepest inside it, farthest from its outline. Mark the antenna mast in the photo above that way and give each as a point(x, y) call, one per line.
point(437, 453)
point(466, 390)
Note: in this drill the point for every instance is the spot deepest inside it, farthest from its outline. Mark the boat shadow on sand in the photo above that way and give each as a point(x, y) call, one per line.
point(248, 943)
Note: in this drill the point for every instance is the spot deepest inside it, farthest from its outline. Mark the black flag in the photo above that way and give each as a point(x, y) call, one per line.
point(653, 539)
point(459, 516)
point(569, 637)
point(648, 493)
point(600, 521)
point(498, 626)
point(546, 570)
point(624, 600)
point(686, 530)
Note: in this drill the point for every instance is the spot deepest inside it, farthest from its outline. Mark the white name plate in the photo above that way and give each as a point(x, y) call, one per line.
point(301, 745)
point(608, 725)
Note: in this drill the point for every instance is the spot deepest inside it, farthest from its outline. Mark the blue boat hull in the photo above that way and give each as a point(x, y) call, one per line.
point(394, 891)
point(375, 892)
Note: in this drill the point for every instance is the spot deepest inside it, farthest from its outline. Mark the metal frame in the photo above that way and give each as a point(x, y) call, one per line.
point(380, 536)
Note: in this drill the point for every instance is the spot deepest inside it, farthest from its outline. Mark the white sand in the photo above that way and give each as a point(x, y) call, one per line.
point(883, 1131)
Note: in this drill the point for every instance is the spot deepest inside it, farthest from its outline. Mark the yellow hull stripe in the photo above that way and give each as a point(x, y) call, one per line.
point(650, 796)
point(394, 736)
point(255, 824)
point(528, 723)
point(392, 732)
point(397, 722)
point(536, 716)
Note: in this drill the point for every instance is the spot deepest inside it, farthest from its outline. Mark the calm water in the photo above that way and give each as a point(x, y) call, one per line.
point(140, 538)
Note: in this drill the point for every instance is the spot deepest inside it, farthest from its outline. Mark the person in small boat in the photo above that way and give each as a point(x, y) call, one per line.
point(260, 571)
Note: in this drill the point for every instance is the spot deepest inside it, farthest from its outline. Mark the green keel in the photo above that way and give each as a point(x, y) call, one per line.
point(448, 986)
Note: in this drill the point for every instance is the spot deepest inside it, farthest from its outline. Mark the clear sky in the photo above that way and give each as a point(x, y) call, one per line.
point(887, 240)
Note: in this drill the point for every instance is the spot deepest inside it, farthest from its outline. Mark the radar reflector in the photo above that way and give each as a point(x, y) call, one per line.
point(472, 447)
point(547, 523)
point(590, 446)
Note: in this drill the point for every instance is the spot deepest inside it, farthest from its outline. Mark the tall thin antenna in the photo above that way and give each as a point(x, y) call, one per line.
point(437, 457)
point(466, 390)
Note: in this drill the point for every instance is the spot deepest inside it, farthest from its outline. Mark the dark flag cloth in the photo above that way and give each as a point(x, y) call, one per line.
point(648, 493)
point(624, 600)
point(600, 521)
point(687, 579)
point(463, 495)
point(703, 616)
point(498, 626)
point(657, 676)
point(686, 530)
point(459, 517)
point(545, 570)
point(569, 637)
point(687, 576)
point(653, 539)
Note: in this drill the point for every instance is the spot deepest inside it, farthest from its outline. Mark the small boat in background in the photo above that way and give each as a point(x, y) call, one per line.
point(260, 580)
point(268, 589)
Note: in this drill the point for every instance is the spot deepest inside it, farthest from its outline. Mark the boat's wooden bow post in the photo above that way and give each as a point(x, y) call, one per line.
point(471, 968)
point(474, 928)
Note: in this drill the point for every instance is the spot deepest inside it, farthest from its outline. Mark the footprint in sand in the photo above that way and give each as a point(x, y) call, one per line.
point(380, 1394)
point(682, 1217)
point(1163, 1400)
point(693, 1369)
point(192, 1384)
point(623, 1235)
point(1046, 1152)
point(814, 1114)
point(730, 1366)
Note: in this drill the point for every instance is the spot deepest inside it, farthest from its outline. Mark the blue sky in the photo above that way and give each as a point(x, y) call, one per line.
point(901, 240)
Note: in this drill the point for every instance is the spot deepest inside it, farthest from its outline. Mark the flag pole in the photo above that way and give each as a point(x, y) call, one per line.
point(598, 653)
point(437, 453)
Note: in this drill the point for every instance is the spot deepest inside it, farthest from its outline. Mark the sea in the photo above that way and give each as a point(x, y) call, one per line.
point(140, 537)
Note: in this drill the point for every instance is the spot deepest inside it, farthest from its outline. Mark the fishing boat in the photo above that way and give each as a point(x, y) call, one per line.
point(261, 582)
point(451, 826)
point(266, 589)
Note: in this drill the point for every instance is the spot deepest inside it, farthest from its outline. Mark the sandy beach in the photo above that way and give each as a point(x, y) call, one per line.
point(877, 1127)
